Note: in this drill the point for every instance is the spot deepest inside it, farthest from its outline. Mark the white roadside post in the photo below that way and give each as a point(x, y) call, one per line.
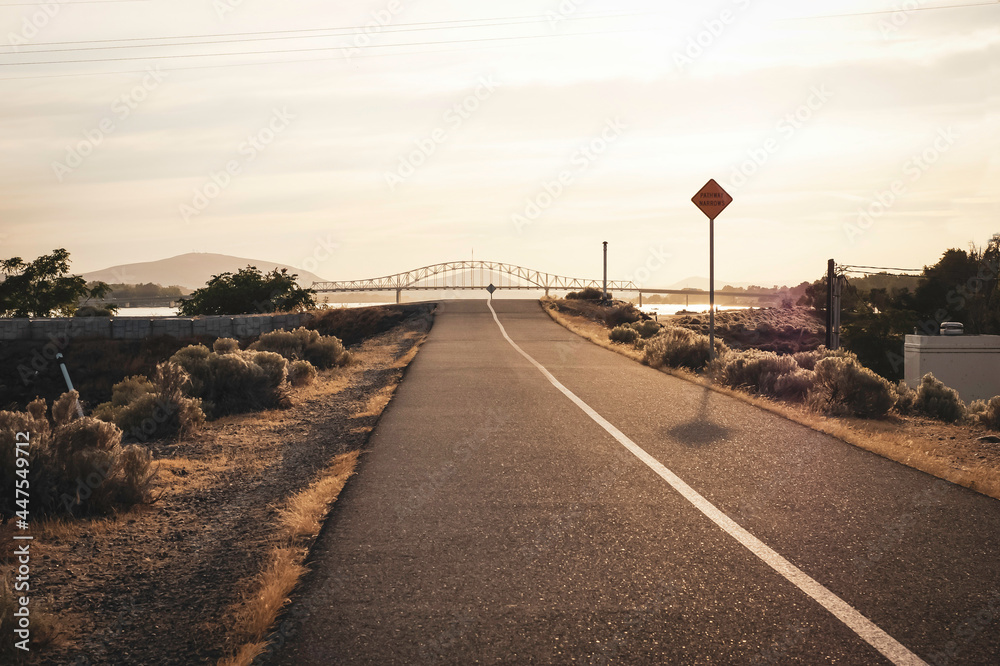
point(711, 200)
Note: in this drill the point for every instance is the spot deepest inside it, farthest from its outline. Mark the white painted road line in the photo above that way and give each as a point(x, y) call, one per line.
point(893, 650)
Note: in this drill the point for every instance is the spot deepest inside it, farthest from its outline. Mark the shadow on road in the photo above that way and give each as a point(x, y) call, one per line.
point(701, 430)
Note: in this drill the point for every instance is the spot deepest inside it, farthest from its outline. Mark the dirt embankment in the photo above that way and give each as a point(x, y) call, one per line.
point(166, 583)
point(782, 330)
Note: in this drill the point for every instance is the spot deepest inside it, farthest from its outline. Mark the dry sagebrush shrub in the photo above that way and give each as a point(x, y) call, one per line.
point(157, 409)
point(844, 387)
point(937, 401)
point(77, 466)
point(807, 360)
point(986, 413)
point(236, 381)
point(756, 371)
point(647, 328)
point(680, 348)
point(794, 386)
point(303, 344)
point(301, 373)
point(619, 314)
point(226, 346)
point(906, 398)
point(624, 334)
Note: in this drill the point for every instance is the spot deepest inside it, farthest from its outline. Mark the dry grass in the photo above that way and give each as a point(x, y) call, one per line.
point(303, 516)
point(376, 403)
point(880, 437)
point(299, 523)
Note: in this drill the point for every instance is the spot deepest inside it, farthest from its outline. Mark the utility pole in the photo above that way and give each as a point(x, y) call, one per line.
point(831, 269)
point(605, 270)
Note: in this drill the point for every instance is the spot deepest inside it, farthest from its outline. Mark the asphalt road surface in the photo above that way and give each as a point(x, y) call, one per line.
point(629, 517)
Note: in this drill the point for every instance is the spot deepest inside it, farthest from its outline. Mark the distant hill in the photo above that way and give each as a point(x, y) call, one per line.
point(190, 270)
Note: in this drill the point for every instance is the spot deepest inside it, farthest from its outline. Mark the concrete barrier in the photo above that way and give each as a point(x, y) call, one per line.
point(138, 328)
point(970, 364)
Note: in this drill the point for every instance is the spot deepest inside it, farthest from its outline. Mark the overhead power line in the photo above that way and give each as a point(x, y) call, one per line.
point(895, 11)
point(881, 270)
point(312, 49)
point(283, 34)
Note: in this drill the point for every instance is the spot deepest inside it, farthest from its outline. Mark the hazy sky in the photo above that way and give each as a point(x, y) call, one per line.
point(599, 122)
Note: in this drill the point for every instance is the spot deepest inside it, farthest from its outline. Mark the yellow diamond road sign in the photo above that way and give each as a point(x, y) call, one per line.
point(712, 199)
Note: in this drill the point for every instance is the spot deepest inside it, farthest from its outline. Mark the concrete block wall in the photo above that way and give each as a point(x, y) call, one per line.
point(970, 364)
point(137, 328)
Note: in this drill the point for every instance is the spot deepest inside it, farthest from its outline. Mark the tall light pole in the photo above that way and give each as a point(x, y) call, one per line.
point(605, 270)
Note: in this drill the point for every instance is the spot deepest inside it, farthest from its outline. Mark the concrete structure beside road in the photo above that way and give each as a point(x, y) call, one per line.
point(970, 364)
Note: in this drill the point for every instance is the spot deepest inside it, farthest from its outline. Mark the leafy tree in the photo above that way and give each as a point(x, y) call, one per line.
point(147, 290)
point(249, 291)
point(963, 287)
point(44, 286)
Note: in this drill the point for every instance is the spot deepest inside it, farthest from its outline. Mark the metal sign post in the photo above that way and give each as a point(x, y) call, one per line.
point(711, 200)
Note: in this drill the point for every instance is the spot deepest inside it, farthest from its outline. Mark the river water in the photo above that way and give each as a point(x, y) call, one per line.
point(659, 309)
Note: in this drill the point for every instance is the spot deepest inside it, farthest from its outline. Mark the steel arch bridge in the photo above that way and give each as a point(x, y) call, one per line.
point(470, 275)
point(478, 275)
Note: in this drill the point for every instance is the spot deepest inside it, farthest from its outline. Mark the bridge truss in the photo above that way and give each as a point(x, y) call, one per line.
point(478, 275)
point(471, 275)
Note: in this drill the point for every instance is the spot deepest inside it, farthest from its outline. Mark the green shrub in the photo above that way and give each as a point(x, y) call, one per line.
point(95, 311)
point(157, 409)
point(843, 386)
point(588, 294)
point(678, 347)
point(303, 344)
point(77, 465)
point(624, 334)
point(301, 373)
point(937, 401)
point(756, 371)
point(986, 413)
point(619, 315)
point(226, 346)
